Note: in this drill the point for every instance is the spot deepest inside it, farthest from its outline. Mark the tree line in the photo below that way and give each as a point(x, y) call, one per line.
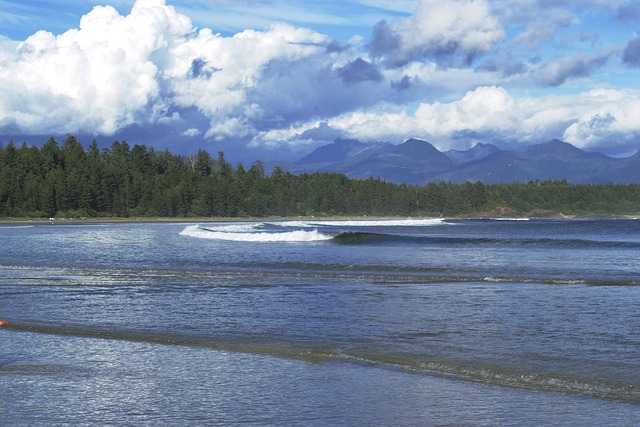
point(64, 180)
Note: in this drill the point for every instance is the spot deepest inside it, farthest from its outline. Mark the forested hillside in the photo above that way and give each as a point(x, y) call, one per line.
point(65, 180)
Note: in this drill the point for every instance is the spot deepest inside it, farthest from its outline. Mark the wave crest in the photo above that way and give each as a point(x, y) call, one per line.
point(246, 234)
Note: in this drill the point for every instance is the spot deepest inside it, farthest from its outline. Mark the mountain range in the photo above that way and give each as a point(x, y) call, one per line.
point(418, 162)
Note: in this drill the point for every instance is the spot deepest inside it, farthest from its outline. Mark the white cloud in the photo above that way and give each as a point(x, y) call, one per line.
point(114, 71)
point(97, 78)
point(442, 25)
point(230, 69)
point(483, 108)
point(604, 117)
point(172, 120)
point(442, 29)
point(191, 132)
point(588, 120)
point(486, 109)
point(392, 124)
point(275, 137)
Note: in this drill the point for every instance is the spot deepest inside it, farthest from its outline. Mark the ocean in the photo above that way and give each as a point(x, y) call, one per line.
point(408, 322)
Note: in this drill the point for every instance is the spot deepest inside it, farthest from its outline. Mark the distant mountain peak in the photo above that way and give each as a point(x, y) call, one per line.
point(416, 161)
point(553, 144)
point(560, 150)
point(477, 152)
point(416, 147)
point(415, 141)
point(337, 151)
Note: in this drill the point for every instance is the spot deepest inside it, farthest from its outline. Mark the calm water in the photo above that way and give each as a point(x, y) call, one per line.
point(316, 323)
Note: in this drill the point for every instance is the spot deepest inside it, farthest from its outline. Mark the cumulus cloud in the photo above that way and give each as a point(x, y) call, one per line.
point(446, 30)
point(114, 71)
point(232, 73)
point(483, 108)
point(97, 78)
point(605, 117)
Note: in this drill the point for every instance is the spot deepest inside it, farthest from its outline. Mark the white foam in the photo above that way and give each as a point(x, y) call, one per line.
point(299, 224)
point(241, 227)
point(291, 236)
point(367, 223)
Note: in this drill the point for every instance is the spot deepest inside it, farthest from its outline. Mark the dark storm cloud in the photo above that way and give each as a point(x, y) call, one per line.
point(200, 68)
point(631, 55)
point(323, 132)
point(336, 47)
point(383, 40)
point(570, 67)
point(389, 45)
point(629, 13)
point(359, 71)
point(296, 91)
point(403, 84)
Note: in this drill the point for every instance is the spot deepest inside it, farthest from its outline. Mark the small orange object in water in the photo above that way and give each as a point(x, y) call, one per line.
point(3, 323)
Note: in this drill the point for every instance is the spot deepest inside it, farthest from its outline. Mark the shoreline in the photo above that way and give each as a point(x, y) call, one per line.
point(20, 220)
point(483, 215)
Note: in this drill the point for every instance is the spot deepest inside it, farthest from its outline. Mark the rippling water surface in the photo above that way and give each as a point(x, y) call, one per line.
point(403, 322)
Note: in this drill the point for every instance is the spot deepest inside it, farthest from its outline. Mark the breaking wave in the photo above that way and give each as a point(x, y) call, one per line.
point(380, 232)
point(249, 234)
point(297, 231)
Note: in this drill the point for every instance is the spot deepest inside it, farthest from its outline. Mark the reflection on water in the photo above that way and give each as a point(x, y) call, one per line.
point(97, 382)
point(405, 323)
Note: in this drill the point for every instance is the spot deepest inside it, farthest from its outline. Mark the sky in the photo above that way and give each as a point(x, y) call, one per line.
point(274, 79)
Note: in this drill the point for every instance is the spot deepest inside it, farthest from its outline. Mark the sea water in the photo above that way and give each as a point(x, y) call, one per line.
point(357, 323)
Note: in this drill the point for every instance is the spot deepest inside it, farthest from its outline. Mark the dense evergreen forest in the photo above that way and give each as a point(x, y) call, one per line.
point(66, 181)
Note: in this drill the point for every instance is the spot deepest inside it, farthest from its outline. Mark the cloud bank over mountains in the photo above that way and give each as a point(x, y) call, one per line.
point(453, 72)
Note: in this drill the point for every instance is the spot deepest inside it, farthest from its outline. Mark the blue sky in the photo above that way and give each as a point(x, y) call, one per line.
point(275, 79)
